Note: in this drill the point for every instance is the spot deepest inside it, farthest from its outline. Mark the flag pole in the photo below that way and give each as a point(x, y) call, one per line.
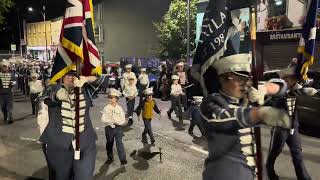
point(77, 109)
point(257, 130)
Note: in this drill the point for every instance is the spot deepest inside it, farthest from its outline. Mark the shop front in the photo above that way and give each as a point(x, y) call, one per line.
point(279, 47)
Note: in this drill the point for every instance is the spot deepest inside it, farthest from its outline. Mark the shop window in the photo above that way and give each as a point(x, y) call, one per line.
point(99, 33)
point(277, 8)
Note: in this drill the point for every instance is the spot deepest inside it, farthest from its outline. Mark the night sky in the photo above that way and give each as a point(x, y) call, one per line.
point(9, 32)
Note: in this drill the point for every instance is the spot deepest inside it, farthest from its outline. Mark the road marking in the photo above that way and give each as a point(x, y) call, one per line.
point(184, 144)
point(28, 139)
point(199, 149)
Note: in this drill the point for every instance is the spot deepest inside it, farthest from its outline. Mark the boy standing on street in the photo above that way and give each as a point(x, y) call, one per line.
point(147, 106)
point(114, 117)
point(176, 92)
point(130, 92)
point(143, 82)
point(36, 88)
point(195, 115)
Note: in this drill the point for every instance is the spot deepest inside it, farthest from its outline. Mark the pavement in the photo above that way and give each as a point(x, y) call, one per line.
point(182, 156)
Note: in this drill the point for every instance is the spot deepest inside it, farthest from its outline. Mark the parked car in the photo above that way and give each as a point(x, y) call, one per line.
point(308, 106)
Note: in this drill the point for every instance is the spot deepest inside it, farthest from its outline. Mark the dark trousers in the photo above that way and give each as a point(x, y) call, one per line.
point(66, 168)
point(141, 90)
point(111, 135)
point(147, 130)
point(225, 169)
point(184, 99)
point(130, 106)
point(6, 102)
point(20, 83)
point(51, 172)
point(176, 106)
point(279, 138)
point(195, 120)
point(34, 103)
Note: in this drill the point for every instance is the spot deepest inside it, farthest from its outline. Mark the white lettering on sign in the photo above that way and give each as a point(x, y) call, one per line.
point(285, 36)
point(222, 18)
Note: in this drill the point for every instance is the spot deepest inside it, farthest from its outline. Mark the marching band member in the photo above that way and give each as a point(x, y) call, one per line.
point(59, 135)
point(176, 92)
point(291, 137)
point(147, 106)
point(114, 117)
point(143, 82)
point(7, 81)
point(36, 88)
point(130, 92)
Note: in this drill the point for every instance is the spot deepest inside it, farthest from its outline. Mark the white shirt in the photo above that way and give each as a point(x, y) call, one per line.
point(130, 91)
point(144, 79)
point(176, 90)
point(183, 78)
point(126, 80)
point(113, 115)
point(35, 87)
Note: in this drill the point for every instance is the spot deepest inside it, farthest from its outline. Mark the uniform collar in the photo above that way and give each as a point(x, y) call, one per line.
point(230, 99)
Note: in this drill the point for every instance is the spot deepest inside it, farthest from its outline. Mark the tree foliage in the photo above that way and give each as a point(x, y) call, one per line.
point(5, 6)
point(172, 30)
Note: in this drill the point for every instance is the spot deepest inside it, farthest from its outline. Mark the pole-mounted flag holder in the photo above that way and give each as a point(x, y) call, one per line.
point(77, 118)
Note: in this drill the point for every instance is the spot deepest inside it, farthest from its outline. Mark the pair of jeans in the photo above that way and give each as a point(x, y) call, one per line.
point(115, 134)
point(147, 130)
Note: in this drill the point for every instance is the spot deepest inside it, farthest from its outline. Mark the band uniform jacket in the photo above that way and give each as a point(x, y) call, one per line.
point(7, 81)
point(229, 129)
point(60, 129)
point(113, 116)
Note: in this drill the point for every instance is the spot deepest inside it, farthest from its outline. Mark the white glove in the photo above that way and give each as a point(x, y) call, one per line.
point(13, 83)
point(297, 86)
point(81, 82)
point(74, 144)
point(257, 95)
point(62, 94)
point(274, 117)
point(310, 91)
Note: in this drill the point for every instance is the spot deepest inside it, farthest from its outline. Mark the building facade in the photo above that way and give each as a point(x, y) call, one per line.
point(122, 29)
point(279, 31)
point(37, 35)
point(125, 28)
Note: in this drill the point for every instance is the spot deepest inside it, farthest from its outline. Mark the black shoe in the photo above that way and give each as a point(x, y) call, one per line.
point(144, 141)
point(169, 114)
point(10, 121)
point(123, 162)
point(130, 122)
point(109, 161)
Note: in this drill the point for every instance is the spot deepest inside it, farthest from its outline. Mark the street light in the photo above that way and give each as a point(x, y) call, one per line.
point(43, 13)
point(18, 14)
point(188, 31)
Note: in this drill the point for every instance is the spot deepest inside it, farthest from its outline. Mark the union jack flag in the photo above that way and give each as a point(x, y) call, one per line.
point(77, 42)
point(308, 40)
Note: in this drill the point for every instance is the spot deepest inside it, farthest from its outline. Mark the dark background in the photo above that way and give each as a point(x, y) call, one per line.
point(9, 31)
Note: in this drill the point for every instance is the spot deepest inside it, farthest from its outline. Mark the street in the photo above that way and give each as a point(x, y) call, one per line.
point(182, 156)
